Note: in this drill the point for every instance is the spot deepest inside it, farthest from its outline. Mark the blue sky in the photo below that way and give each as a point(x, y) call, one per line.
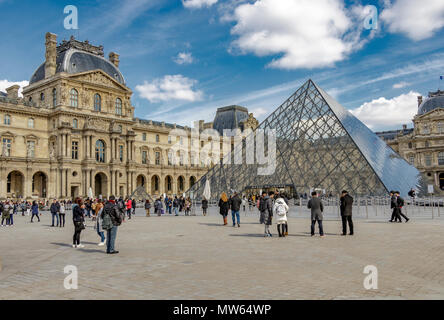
point(185, 58)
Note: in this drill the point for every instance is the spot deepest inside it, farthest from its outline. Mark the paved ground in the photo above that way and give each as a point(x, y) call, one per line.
point(197, 258)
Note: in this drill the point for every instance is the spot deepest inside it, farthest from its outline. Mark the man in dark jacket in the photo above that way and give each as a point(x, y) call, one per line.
point(55, 209)
point(268, 213)
point(112, 211)
point(204, 206)
point(235, 204)
point(393, 205)
point(262, 207)
point(317, 208)
point(346, 212)
point(399, 205)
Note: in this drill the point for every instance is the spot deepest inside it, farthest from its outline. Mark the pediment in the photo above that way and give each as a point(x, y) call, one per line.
point(98, 77)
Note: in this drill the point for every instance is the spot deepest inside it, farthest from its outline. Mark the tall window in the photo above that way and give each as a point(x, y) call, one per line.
point(100, 151)
point(7, 120)
point(181, 183)
point(144, 136)
point(75, 150)
point(412, 160)
point(157, 158)
point(74, 98)
point(97, 102)
point(42, 96)
point(428, 160)
point(157, 138)
point(169, 139)
point(426, 144)
point(426, 129)
point(54, 97)
point(6, 147)
point(121, 153)
point(30, 149)
point(181, 159)
point(170, 158)
point(169, 183)
point(75, 123)
point(441, 158)
point(440, 127)
point(118, 106)
point(31, 123)
point(410, 145)
point(144, 157)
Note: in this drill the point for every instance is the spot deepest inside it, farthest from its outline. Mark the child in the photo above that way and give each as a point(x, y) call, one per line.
point(280, 210)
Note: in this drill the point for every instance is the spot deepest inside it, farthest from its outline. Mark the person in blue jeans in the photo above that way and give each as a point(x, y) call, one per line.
point(116, 218)
point(55, 209)
point(176, 206)
point(235, 205)
point(35, 210)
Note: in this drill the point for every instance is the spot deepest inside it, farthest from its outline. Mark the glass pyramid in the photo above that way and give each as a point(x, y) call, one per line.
point(319, 145)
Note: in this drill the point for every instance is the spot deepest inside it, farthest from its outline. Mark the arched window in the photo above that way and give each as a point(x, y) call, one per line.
point(7, 120)
point(181, 183)
point(75, 123)
point(42, 96)
point(118, 106)
point(54, 97)
point(441, 158)
point(31, 123)
point(97, 102)
point(74, 98)
point(100, 151)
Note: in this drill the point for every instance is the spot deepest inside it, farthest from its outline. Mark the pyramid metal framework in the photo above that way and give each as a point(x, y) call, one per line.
point(319, 144)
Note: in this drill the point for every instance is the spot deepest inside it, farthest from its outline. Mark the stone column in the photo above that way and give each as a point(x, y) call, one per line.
point(116, 182)
point(68, 182)
point(63, 183)
point(112, 149)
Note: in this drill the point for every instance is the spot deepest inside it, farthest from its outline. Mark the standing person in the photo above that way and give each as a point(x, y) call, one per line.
point(262, 203)
point(147, 207)
point(28, 208)
point(78, 218)
point(187, 206)
point(170, 205)
point(317, 208)
point(204, 206)
point(62, 214)
point(129, 207)
point(223, 207)
point(88, 207)
point(235, 205)
point(346, 212)
point(176, 206)
point(134, 205)
point(35, 211)
point(399, 205)
point(23, 207)
point(268, 214)
point(6, 215)
point(98, 213)
point(112, 219)
point(280, 210)
point(244, 202)
point(54, 209)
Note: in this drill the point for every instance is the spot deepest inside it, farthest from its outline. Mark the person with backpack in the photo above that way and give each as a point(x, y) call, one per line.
point(346, 212)
point(78, 218)
point(280, 210)
point(223, 207)
point(235, 205)
point(112, 218)
point(399, 206)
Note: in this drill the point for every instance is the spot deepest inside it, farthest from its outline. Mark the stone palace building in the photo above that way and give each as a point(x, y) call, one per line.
point(423, 146)
point(74, 130)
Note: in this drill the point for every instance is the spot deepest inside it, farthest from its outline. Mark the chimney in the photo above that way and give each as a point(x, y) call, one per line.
point(13, 91)
point(419, 100)
point(114, 59)
point(51, 55)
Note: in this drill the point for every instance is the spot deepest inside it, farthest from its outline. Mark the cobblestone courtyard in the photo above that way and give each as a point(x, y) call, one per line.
point(197, 258)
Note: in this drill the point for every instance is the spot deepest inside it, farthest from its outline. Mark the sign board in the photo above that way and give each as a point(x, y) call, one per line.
point(430, 189)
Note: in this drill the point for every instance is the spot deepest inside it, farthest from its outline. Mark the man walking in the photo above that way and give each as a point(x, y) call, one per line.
point(393, 205)
point(317, 208)
point(112, 218)
point(55, 209)
point(235, 205)
point(346, 212)
point(399, 205)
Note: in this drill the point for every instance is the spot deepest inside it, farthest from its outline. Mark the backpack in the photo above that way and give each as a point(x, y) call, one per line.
point(280, 210)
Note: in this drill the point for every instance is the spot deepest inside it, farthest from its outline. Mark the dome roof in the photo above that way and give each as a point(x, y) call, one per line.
point(229, 118)
point(76, 61)
point(434, 101)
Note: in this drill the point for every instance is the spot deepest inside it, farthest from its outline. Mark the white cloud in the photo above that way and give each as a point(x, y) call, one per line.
point(6, 84)
point(170, 87)
point(184, 58)
point(384, 112)
point(417, 19)
point(400, 85)
point(198, 3)
point(305, 33)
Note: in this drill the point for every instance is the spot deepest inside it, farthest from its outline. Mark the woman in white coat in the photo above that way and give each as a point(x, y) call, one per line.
point(280, 211)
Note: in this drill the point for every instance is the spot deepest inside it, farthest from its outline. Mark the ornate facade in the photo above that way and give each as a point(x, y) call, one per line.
point(74, 130)
point(423, 146)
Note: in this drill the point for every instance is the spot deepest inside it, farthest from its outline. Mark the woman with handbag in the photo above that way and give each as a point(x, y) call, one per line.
point(78, 217)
